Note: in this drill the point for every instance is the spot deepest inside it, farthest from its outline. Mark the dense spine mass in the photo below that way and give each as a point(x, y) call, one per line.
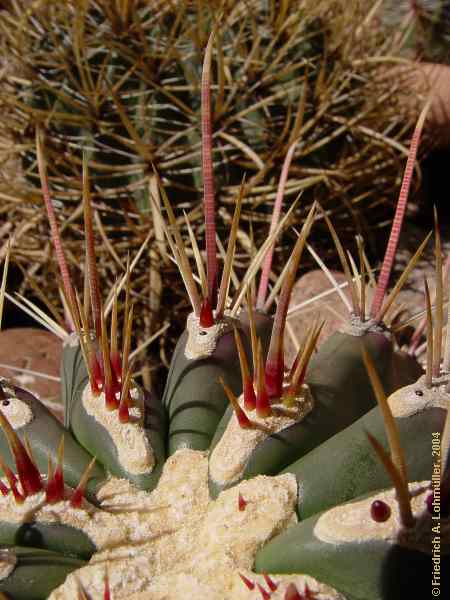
point(298, 91)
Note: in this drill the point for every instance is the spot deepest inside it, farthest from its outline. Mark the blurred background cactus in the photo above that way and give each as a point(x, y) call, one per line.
point(421, 27)
point(121, 81)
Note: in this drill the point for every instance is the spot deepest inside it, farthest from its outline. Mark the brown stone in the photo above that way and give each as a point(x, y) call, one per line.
point(433, 81)
point(331, 308)
point(37, 350)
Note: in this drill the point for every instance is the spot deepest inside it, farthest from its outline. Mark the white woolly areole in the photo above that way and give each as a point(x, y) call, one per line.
point(17, 411)
point(354, 326)
point(232, 453)
point(417, 397)
point(71, 340)
point(133, 447)
point(352, 522)
point(8, 561)
point(202, 341)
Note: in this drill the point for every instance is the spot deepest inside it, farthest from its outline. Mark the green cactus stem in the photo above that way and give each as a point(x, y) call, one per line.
point(126, 420)
point(26, 580)
point(41, 511)
point(98, 438)
point(194, 398)
point(384, 536)
point(44, 433)
point(344, 466)
point(340, 390)
point(29, 491)
point(206, 352)
point(319, 413)
point(74, 374)
point(61, 539)
point(347, 465)
point(363, 564)
point(336, 377)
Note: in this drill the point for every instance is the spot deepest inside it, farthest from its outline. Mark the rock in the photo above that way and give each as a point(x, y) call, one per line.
point(331, 308)
point(433, 80)
point(37, 350)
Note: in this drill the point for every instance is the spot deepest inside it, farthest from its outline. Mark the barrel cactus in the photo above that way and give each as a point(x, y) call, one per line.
point(199, 495)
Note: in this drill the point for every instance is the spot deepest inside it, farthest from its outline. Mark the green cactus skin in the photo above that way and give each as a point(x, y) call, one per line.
point(346, 466)
point(62, 539)
point(342, 394)
point(74, 377)
point(361, 570)
point(263, 326)
point(194, 397)
point(26, 582)
point(405, 370)
point(339, 382)
point(44, 433)
point(96, 439)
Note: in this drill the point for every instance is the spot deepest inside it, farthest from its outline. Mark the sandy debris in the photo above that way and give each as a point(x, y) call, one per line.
point(352, 521)
point(133, 446)
point(8, 561)
point(199, 546)
point(232, 453)
point(186, 586)
point(18, 412)
point(417, 397)
point(102, 528)
point(201, 342)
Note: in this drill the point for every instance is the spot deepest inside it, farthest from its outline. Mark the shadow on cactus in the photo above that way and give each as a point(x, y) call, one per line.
point(234, 420)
